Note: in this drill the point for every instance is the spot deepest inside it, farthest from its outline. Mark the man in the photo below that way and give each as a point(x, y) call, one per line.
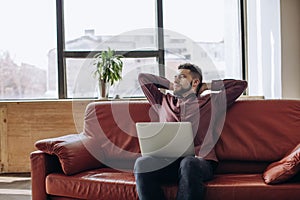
point(205, 112)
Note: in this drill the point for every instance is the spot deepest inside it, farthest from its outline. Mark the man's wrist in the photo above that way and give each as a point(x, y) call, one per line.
point(217, 85)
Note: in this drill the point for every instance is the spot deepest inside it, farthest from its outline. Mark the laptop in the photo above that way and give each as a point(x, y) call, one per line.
point(166, 139)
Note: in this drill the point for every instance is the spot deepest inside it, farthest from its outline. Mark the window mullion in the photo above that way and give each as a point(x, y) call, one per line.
point(62, 85)
point(160, 35)
point(126, 54)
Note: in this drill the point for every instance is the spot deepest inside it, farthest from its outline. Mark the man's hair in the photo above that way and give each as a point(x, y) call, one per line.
point(196, 72)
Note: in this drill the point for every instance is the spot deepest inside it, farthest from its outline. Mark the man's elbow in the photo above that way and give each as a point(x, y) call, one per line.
point(143, 78)
point(244, 84)
point(142, 75)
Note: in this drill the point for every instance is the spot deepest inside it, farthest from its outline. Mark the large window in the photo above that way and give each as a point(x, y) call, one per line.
point(206, 32)
point(28, 35)
point(54, 40)
point(126, 26)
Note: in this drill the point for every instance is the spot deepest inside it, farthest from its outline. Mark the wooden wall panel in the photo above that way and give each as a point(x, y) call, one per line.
point(3, 139)
point(27, 122)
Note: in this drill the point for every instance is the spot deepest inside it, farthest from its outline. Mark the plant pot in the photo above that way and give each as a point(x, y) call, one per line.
point(103, 89)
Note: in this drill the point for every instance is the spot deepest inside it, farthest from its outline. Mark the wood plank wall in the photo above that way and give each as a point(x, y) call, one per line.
point(23, 123)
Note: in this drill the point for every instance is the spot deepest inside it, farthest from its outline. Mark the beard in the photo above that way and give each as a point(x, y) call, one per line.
point(182, 90)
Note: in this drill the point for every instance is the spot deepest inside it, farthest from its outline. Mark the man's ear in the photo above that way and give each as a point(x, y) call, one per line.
point(195, 83)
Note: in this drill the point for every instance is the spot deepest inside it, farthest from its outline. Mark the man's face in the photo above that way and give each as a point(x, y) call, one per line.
point(183, 82)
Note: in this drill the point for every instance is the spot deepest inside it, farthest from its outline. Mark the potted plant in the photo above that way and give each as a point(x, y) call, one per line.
point(108, 70)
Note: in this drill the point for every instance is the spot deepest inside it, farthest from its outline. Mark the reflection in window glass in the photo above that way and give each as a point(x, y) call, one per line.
point(28, 35)
point(206, 33)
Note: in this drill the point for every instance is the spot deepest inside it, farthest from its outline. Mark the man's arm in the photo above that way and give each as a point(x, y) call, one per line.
point(231, 88)
point(150, 85)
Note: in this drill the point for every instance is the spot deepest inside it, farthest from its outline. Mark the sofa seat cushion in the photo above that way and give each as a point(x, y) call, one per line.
point(102, 183)
point(108, 183)
point(94, 184)
point(249, 186)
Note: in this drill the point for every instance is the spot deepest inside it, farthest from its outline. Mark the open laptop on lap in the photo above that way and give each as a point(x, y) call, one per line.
point(166, 139)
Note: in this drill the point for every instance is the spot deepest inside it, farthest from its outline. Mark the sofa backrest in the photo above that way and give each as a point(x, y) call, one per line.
point(260, 130)
point(111, 124)
point(254, 130)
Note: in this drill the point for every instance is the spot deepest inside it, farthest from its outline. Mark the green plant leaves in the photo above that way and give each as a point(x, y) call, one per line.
point(108, 66)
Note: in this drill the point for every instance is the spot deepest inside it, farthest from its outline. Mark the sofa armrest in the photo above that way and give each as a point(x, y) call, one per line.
point(73, 152)
point(42, 164)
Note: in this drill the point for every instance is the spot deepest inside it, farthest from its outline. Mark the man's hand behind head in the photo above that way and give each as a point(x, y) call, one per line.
point(203, 87)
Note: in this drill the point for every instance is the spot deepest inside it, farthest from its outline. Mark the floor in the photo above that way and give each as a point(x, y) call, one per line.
point(15, 186)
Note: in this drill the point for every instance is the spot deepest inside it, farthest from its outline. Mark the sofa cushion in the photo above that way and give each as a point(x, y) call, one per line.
point(259, 130)
point(111, 125)
point(95, 184)
point(283, 170)
point(71, 152)
point(249, 187)
point(108, 183)
point(105, 183)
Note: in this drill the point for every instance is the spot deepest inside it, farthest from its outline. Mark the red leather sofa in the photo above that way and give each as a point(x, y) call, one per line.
point(97, 163)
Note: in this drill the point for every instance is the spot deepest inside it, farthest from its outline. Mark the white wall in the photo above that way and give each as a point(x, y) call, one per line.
point(290, 36)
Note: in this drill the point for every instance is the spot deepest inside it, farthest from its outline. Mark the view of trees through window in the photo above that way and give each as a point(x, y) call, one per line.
point(204, 32)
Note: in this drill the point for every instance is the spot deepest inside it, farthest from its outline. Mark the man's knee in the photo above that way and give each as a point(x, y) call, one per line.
point(140, 164)
point(145, 164)
point(191, 165)
point(150, 164)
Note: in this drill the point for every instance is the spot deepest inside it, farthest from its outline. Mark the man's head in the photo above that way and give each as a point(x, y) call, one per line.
point(188, 80)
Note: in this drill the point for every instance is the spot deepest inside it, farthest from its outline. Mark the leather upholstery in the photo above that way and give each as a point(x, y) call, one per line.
point(247, 187)
point(255, 133)
point(285, 169)
point(94, 184)
point(262, 130)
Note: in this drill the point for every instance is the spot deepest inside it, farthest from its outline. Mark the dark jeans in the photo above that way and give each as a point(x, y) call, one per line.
point(189, 172)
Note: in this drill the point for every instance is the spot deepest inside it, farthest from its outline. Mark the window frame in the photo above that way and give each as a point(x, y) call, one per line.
point(159, 54)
